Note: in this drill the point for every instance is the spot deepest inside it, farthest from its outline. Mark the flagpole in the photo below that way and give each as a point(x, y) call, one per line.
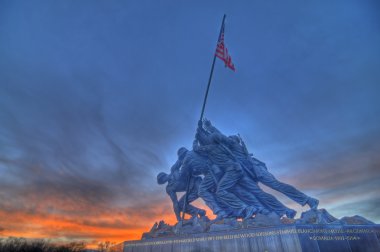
point(212, 71)
point(203, 110)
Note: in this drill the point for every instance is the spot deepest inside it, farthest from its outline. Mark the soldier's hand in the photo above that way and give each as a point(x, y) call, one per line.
point(200, 123)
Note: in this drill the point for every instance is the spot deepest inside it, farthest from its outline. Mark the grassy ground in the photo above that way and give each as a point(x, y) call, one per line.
point(24, 245)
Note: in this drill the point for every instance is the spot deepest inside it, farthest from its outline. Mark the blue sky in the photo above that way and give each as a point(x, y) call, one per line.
point(97, 96)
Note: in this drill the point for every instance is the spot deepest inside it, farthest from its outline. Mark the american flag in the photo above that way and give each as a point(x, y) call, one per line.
point(222, 52)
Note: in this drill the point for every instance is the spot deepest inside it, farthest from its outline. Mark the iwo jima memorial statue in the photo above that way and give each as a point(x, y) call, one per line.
point(221, 171)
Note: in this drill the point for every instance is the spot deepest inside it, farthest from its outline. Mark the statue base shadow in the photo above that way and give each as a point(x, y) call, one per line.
point(316, 230)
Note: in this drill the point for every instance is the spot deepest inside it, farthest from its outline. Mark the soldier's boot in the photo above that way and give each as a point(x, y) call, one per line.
point(313, 203)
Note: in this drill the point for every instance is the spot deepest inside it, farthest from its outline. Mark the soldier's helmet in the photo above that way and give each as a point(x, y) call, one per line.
point(162, 178)
point(182, 151)
point(234, 138)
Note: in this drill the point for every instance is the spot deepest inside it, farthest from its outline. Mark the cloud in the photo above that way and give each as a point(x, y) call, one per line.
point(112, 223)
point(341, 174)
point(64, 169)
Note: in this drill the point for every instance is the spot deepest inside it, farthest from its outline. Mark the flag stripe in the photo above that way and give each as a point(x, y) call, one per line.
point(222, 53)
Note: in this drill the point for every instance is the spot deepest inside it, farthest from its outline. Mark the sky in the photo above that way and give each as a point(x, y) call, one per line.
point(97, 96)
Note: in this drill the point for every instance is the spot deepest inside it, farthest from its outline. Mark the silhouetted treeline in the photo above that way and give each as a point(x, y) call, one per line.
point(25, 245)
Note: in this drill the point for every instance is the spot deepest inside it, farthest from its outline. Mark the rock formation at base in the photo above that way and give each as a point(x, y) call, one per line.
point(205, 225)
point(198, 225)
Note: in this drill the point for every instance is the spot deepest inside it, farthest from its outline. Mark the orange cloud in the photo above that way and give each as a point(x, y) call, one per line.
point(112, 225)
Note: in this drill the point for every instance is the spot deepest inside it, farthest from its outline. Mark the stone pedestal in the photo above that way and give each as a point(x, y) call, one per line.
point(290, 238)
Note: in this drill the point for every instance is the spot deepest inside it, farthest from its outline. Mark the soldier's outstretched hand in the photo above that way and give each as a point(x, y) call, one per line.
point(200, 123)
